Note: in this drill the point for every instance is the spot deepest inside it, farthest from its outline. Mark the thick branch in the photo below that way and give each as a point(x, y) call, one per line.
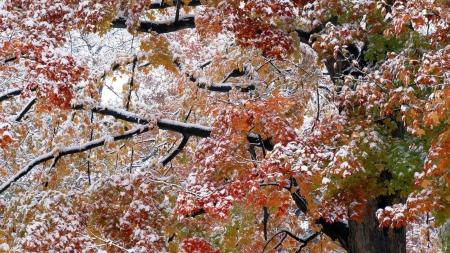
point(11, 59)
point(219, 87)
point(163, 124)
point(127, 106)
point(164, 4)
point(174, 153)
point(10, 93)
point(265, 218)
point(160, 27)
point(58, 152)
point(305, 37)
point(226, 87)
point(338, 230)
point(22, 113)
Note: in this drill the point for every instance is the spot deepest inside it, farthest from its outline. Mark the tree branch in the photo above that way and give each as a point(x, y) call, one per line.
point(58, 152)
point(24, 111)
point(226, 87)
point(10, 93)
point(177, 13)
point(175, 152)
point(305, 37)
point(160, 27)
point(338, 230)
point(265, 218)
point(164, 4)
point(131, 84)
point(10, 59)
point(289, 233)
point(219, 87)
point(163, 124)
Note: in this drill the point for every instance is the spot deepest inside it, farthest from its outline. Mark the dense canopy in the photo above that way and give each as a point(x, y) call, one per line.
point(224, 126)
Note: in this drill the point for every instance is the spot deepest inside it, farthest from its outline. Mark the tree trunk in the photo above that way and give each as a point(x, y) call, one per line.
point(366, 237)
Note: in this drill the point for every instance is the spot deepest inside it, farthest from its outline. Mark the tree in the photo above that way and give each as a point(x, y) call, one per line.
point(242, 126)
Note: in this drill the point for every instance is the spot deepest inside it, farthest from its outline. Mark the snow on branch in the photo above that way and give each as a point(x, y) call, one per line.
point(175, 152)
point(24, 111)
point(219, 87)
point(60, 151)
point(10, 93)
point(226, 87)
point(163, 124)
point(164, 4)
point(338, 230)
point(187, 129)
point(160, 27)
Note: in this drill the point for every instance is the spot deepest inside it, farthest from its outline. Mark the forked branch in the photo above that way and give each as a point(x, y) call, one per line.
point(286, 233)
point(163, 124)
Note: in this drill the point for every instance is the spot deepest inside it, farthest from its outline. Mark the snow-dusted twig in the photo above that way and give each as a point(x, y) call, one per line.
point(179, 187)
point(62, 151)
point(109, 242)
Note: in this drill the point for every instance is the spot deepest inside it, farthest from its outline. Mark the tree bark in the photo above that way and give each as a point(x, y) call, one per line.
point(366, 237)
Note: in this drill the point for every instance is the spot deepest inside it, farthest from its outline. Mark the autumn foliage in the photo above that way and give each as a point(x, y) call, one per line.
point(223, 126)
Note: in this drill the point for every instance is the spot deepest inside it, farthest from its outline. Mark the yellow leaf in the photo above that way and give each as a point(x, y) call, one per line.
point(425, 183)
point(420, 132)
point(435, 117)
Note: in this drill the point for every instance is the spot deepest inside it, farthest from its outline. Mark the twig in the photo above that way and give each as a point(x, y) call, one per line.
point(63, 151)
point(265, 218)
point(184, 190)
point(109, 242)
point(131, 164)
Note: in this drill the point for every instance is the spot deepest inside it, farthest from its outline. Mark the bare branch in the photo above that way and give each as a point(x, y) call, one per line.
point(223, 86)
point(10, 59)
point(131, 164)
